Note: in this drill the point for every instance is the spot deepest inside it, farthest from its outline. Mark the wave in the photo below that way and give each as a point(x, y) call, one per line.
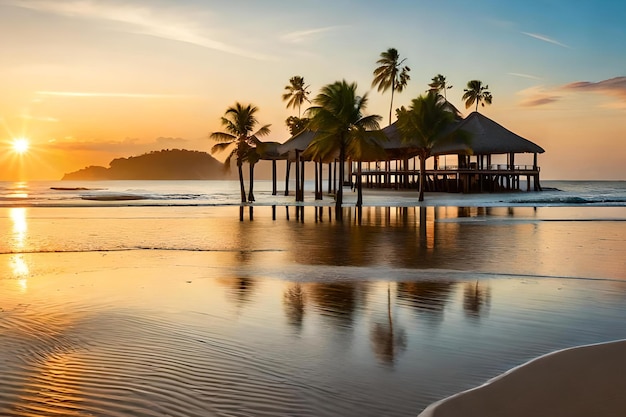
point(568, 200)
point(75, 188)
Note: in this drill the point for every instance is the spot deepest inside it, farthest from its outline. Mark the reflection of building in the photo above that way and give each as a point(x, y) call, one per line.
point(426, 296)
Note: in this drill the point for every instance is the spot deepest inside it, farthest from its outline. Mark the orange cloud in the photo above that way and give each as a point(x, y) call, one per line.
point(540, 96)
point(615, 87)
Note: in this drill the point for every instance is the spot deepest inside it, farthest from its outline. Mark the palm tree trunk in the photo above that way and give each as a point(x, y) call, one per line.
point(342, 162)
point(251, 191)
point(391, 105)
point(422, 177)
point(242, 187)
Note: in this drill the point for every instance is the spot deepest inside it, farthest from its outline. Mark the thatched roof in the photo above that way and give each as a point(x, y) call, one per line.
point(295, 143)
point(269, 150)
point(487, 137)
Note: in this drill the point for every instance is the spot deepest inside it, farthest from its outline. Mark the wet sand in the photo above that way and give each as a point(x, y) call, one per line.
point(190, 312)
point(577, 382)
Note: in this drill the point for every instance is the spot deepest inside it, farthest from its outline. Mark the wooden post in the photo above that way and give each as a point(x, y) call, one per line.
point(273, 177)
point(330, 177)
point(297, 175)
point(287, 169)
point(302, 180)
point(317, 190)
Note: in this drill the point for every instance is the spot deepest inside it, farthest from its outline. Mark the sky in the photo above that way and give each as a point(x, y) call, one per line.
point(87, 81)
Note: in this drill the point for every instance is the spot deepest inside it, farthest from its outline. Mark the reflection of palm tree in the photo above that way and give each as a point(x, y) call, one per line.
point(340, 126)
point(239, 122)
point(475, 93)
point(475, 298)
point(391, 74)
point(294, 302)
point(387, 343)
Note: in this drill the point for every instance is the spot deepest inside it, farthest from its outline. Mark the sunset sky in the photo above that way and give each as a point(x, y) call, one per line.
point(87, 81)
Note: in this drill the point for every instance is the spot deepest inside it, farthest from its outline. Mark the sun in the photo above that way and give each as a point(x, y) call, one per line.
point(20, 145)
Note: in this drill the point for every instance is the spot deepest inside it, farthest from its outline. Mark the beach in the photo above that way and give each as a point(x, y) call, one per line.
point(156, 307)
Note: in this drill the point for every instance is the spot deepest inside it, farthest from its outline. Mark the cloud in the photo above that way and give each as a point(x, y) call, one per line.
point(39, 118)
point(545, 39)
point(137, 19)
point(126, 147)
point(100, 94)
point(615, 87)
point(303, 35)
point(540, 95)
point(517, 74)
point(172, 143)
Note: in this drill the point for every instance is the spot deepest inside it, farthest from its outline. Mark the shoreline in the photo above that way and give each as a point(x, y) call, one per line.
point(578, 381)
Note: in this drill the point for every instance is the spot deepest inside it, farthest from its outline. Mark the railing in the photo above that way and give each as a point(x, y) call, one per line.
point(472, 167)
point(492, 167)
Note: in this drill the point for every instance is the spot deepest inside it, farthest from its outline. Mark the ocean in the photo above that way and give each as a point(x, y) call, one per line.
point(152, 298)
point(220, 193)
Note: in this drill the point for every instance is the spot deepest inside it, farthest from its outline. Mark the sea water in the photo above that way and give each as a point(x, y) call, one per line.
point(172, 305)
point(214, 193)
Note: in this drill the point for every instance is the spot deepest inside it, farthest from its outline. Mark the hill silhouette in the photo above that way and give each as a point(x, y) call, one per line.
point(167, 164)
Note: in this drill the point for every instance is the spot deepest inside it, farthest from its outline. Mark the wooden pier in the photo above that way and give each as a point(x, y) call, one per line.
point(500, 177)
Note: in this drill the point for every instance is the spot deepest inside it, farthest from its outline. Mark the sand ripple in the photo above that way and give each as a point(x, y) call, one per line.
point(115, 363)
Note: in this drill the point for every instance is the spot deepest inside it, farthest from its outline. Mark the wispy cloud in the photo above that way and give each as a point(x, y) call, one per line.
point(100, 94)
point(46, 119)
point(304, 35)
point(137, 19)
point(546, 39)
point(521, 75)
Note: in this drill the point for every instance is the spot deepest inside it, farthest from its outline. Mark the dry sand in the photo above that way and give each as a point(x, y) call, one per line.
point(586, 381)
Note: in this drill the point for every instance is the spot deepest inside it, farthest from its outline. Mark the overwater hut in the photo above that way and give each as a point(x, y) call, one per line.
point(476, 163)
point(475, 167)
point(476, 170)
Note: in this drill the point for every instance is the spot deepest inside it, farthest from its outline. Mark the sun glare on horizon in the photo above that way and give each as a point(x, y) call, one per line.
point(20, 145)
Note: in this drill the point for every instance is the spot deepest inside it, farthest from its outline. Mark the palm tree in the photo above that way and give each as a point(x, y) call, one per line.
point(391, 74)
point(439, 84)
point(475, 93)
point(297, 93)
point(239, 122)
point(296, 124)
point(423, 125)
point(337, 118)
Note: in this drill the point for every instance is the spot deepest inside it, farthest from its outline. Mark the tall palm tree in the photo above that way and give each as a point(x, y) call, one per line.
point(391, 74)
point(239, 122)
point(337, 118)
point(439, 84)
point(476, 92)
point(297, 93)
point(425, 124)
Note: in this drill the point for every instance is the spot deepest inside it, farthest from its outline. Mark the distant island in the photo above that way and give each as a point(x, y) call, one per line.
point(167, 164)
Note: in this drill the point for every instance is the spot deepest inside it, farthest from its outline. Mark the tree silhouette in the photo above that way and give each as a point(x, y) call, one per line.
point(391, 74)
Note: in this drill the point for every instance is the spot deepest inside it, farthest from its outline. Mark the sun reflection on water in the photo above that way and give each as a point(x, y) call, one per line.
point(20, 227)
